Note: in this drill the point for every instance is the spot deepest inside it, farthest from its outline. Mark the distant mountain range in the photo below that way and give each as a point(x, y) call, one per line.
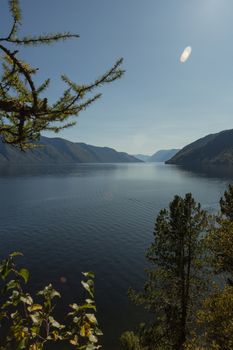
point(142, 157)
point(214, 149)
point(163, 155)
point(58, 150)
point(159, 156)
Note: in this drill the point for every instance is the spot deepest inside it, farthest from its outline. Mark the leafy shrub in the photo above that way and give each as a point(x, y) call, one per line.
point(28, 322)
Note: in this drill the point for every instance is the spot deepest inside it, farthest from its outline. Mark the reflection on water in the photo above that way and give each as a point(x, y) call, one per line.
point(54, 169)
point(97, 217)
point(72, 169)
point(210, 171)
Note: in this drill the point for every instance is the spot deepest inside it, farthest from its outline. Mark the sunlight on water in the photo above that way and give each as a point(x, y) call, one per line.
point(93, 217)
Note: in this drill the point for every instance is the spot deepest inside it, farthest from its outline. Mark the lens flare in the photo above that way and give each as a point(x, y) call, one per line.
point(185, 54)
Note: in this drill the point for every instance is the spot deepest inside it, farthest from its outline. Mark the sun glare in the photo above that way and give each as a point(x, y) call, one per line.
point(185, 54)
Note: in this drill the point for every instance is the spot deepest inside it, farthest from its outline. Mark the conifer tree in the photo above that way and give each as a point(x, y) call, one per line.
point(220, 237)
point(24, 112)
point(176, 278)
point(215, 317)
point(226, 203)
point(215, 322)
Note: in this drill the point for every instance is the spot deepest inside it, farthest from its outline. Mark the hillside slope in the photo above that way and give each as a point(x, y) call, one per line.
point(214, 149)
point(142, 157)
point(162, 155)
point(58, 150)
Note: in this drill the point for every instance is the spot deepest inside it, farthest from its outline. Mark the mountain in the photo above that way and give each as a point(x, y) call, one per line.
point(142, 157)
point(58, 150)
point(214, 149)
point(162, 155)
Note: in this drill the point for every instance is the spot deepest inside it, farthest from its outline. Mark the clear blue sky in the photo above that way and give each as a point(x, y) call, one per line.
point(159, 103)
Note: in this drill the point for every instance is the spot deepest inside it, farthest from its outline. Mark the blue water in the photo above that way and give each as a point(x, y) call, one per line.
point(98, 217)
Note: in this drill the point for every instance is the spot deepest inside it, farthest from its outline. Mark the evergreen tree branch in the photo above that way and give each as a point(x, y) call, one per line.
point(43, 39)
point(22, 70)
point(23, 113)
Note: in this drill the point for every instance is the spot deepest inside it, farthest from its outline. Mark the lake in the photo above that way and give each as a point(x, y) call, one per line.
point(93, 217)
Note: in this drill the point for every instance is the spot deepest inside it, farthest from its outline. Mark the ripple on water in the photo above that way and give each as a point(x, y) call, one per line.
point(93, 217)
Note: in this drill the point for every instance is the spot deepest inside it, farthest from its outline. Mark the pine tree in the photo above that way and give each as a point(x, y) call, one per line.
point(215, 322)
point(215, 317)
point(226, 203)
point(130, 341)
point(177, 277)
point(24, 113)
point(220, 237)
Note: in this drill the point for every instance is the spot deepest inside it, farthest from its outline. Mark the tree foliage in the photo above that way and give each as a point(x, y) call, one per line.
point(226, 203)
point(189, 248)
point(215, 317)
point(24, 112)
point(220, 238)
point(29, 323)
point(220, 243)
point(215, 322)
point(176, 278)
point(130, 341)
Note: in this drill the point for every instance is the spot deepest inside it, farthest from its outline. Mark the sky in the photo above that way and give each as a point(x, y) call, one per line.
point(160, 103)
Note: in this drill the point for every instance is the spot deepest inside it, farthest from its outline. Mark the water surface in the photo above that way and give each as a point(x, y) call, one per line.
point(98, 217)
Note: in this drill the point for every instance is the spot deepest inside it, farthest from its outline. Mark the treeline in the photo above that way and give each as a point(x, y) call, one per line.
point(189, 288)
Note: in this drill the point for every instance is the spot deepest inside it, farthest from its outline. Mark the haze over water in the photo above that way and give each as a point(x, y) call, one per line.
point(98, 217)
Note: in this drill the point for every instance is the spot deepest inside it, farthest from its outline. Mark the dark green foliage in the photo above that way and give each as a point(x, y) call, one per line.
point(215, 317)
point(215, 321)
point(220, 244)
point(220, 238)
point(130, 341)
point(189, 247)
point(24, 113)
point(171, 293)
point(226, 203)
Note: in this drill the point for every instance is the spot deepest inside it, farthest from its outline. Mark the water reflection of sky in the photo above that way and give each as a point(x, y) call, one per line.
point(98, 217)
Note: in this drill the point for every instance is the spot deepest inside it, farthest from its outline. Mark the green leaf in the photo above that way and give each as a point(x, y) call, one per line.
point(55, 324)
point(88, 274)
point(35, 307)
point(27, 299)
point(36, 318)
point(5, 269)
point(34, 331)
point(14, 315)
point(76, 319)
point(12, 284)
point(89, 301)
point(74, 341)
point(91, 318)
point(49, 293)
point(87, 306)
point(86, 286)
point(98, 331)
point(74, 306)
point(55, 293)
point(16, 254)
point(93, 338)
point(24, 273)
